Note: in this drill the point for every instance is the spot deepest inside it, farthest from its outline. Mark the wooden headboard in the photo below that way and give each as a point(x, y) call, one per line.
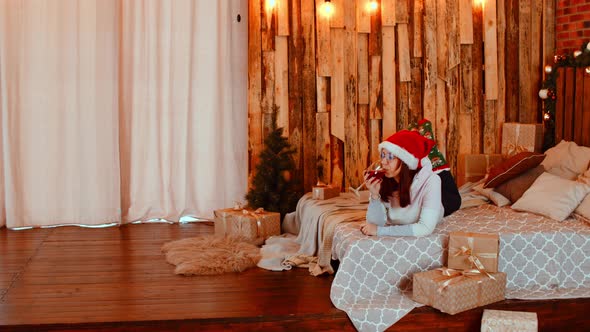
point(572, 105)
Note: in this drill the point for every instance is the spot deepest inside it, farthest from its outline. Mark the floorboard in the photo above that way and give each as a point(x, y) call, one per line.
point(116, 279)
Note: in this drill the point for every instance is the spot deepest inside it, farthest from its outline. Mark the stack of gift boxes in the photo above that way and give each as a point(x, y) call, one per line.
point(516, 137)
point(471, 280)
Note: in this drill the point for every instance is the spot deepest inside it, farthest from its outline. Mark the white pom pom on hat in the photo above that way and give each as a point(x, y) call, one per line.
point(409, 146)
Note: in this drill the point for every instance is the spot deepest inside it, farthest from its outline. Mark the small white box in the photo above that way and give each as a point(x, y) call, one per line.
point(508, 321)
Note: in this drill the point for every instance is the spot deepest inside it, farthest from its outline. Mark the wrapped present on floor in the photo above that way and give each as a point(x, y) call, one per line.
point(473, 251)
point(325, 191)
point(453, 291)
point(249, 224)
point(474, 167)
point(508, 321)
point(519, 137)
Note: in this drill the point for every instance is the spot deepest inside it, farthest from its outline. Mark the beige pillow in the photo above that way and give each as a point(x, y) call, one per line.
point(552, 197)
point(493, 196)
point(584, 208)
point(567, 160)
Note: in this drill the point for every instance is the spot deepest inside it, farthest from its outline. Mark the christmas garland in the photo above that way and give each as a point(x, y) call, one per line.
point(579, 58)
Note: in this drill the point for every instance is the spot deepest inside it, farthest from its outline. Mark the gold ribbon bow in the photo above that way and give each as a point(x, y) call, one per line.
point(513, 149)
point(256, 214)
point(473, 258)
point(453, 276)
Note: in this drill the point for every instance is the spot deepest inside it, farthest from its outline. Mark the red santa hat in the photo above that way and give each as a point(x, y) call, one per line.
point(409, 146)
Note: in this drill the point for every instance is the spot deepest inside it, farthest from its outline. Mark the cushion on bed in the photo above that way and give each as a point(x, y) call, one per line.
point(512, 167)
point(497, 198)
point(552, 197)
point(567, 160)
point(584, 208)
point(514, 188)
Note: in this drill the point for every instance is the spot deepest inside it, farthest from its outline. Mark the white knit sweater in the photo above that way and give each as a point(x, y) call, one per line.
point(420, 217)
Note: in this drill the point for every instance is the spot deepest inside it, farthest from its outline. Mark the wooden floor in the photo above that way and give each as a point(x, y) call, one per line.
point(116, 279)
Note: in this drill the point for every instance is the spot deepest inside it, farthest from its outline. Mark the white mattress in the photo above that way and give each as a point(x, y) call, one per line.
point(543, 259)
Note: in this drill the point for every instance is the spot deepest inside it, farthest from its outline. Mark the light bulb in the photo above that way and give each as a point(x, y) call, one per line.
point(543, 93)
point(372, 6)
point(328, 9)
point(270, 5)
point(577, 53)
point(588, 69)
point(548, 69)
point(546, 116)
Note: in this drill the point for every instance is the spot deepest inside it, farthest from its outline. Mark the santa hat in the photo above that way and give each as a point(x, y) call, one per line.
point(409, 146)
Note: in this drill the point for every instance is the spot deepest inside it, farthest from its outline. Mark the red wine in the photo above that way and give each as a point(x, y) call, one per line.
point(379, 174)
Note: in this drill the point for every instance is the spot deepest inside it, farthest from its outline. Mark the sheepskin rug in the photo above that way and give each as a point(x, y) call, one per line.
point(209, 254)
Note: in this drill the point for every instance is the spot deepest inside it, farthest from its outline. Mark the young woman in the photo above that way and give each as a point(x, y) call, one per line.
point(407, 201)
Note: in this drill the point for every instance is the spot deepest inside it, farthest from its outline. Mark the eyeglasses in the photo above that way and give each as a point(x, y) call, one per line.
point(388, 155)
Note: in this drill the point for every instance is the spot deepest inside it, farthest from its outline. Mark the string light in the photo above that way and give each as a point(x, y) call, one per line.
point(546, 116)
point(588, 68)
point(372, 6)
point(577, 53)
point(548, 69)
point(270, 5)
point(328, 8)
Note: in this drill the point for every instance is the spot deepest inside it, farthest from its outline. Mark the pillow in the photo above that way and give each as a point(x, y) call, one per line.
point(512, 167)
point(514, 188)
point(567, 159)
point(552, 197)
point(493, 196)
point(584, 208)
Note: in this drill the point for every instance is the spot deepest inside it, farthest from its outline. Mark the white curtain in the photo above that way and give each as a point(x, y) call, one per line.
point(118, 110)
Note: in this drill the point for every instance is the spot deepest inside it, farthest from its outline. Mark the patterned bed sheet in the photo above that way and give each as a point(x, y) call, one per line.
point(543, 259)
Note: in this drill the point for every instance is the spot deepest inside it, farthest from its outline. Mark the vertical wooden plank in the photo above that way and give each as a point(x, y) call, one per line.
point(570, 74)
point(453, 33)
point(548, 31)
point(283, 17)
point(577, 105)
point(351, 117)
point(430, 60)
point(322, 93)
point(404, 53)
point(501, 104)
point(586, 112)
point(418, 27)
point(337, 19)
point(337, 84)
point(476, 65)
point(453, 131)
point(466, 102)
point(416, 91)
point(403, 106)
point(440, 124)
point(560, 103)
point(336, 152)
point(375, 35)
point(296, 47)
point(388, 13)
point(524, 62)
point(466, 21)
point(309, 95)
point(402, 12)
point(363, 68)
point(490, 50)
point(375, 101)
point(489, 129)
point(389, 90)
point(268, 27)
point(375, 139)
point(363, 17)
point(323, 42)
point(536, 54)
point(254, 84)
point(323, 164)
point(364, 130)
point(512, 60)
point(268, 82)
point(282, 83)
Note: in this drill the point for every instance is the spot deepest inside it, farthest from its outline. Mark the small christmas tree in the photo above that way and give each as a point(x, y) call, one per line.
point(273, 187)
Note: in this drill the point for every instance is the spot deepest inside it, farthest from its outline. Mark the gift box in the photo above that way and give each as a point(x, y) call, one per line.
point(250, 224)
point(455, 292)
point(325, 192)
point(467, 250)
point(519, 137)
point(508, 321)
point(474, 167)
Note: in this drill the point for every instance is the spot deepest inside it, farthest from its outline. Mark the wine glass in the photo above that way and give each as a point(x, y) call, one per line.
point(375, 170)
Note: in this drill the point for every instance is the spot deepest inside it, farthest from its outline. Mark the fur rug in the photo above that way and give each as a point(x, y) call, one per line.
point(206, 255)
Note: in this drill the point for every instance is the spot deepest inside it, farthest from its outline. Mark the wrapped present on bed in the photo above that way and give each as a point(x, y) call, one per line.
point(508, 321)
point(473, 251)
point(520, 137)
point(323, 191)
point(250, 224)
point(453, 291)
point(474, 167)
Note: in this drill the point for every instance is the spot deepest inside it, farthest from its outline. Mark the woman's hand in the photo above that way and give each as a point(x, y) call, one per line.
point(373, 184)
point(369, 229)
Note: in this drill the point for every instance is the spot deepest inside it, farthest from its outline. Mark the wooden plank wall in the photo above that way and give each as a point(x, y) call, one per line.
point(344, 83)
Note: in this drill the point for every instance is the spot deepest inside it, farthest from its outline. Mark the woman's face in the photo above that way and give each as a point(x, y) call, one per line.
point(391, 164)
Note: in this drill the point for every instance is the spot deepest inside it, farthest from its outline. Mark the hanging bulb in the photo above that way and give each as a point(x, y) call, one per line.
point(270, 5)
point(328, 9)
point(546, 116)
point(372, 6)
point(543, 93)
point(548, 69)
point(577, 53)
point(588, 46)
point(588, 68)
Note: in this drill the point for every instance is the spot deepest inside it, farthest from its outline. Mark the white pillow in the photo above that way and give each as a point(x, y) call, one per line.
point(567, 159)
point(493, 196)
point(584, 208)
point(552, 197)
